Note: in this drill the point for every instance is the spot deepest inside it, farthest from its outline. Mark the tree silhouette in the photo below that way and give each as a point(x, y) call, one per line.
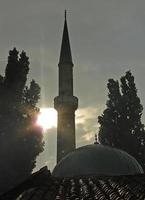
point(120, 123)
point(20, 137)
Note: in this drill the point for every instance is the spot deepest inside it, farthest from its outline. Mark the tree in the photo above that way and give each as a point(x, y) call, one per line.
point(120, 123)
point(20, 137)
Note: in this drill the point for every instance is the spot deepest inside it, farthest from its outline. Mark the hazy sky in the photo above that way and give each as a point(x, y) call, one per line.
point(107, 38)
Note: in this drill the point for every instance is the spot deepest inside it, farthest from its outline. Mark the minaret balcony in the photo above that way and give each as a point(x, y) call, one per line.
point(67, 102)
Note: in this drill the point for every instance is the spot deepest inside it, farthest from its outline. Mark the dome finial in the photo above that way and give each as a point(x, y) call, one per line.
point(96, 139)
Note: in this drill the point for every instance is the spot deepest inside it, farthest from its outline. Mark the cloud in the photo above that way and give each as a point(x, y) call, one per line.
point(87, 125)
point(86, 128)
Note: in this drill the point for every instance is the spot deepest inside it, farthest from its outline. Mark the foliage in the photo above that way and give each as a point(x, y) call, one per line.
point(20, 138)
point(120, 123)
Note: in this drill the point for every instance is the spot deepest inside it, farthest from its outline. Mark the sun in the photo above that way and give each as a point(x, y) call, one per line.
point(47, 118)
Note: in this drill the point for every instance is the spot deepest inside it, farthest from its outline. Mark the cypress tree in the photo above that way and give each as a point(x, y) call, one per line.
point(20, 137)
point(120, 123)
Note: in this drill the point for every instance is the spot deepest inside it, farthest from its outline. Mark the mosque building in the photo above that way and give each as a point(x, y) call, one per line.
point(91, 172)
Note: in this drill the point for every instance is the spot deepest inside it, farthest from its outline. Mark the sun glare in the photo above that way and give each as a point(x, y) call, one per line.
point(47, 118)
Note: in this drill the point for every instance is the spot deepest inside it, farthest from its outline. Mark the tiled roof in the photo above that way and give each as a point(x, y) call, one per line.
point(42, 186)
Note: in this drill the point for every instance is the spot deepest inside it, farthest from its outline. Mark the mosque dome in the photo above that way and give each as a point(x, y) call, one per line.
point(97, 160)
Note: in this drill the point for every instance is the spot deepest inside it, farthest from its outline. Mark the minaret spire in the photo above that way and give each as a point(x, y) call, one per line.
point(65, 13)
point(65, 103)
point(65, 53)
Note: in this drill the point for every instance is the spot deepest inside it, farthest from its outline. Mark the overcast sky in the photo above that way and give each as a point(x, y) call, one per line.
point(107, 38)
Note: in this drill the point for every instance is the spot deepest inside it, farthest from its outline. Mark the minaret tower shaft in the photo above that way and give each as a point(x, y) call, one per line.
point(65, 104)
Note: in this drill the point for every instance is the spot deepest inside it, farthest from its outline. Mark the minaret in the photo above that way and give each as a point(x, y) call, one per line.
point(65, 103)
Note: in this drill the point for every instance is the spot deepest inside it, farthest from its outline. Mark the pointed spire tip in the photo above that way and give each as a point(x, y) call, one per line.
point(65, 13)
point(65, 53)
